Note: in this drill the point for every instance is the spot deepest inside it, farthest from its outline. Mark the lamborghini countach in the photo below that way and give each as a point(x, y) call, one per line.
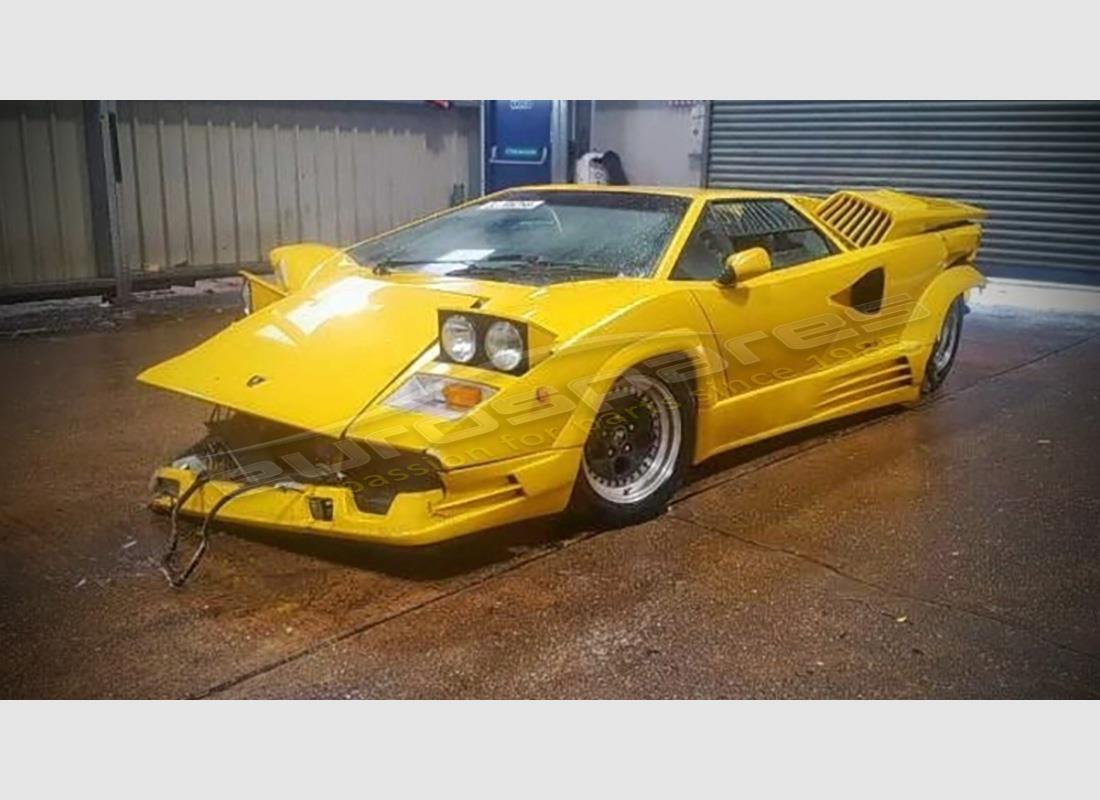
point(560, 347)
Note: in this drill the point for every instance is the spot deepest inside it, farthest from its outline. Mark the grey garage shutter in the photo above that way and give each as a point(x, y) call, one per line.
point(1034, 166)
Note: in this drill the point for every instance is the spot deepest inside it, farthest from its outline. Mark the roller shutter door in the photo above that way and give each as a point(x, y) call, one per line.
point(1034, 166)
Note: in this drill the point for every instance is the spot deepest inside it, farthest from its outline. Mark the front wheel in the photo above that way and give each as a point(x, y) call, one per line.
point(946, 348)
point(637, 450)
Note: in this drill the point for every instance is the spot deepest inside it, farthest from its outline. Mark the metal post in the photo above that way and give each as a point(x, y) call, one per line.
point(482, 133)
point(582, 128)
point(704, 154)
point(105, 185)
point(559, 141)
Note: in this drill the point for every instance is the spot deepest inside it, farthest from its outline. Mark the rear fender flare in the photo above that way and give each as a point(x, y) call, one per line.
point(921, 331)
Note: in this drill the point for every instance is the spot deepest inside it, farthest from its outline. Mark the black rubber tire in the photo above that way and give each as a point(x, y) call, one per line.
point(604, 513)
point(933, 376)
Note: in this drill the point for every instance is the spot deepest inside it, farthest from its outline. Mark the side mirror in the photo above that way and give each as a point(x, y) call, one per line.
point(744, 265)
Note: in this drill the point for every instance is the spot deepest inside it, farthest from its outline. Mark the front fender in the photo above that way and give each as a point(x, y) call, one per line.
point(676, 356)
point(554, 404)
point(552, 407)
point(668, 334)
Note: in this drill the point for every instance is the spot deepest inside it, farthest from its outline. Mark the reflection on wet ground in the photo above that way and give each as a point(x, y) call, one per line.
point(949, 550)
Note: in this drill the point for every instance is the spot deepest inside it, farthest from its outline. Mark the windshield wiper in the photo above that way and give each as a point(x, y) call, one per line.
point(550, 263)
point(502, 262)
point(514, 269)
point(384, 266)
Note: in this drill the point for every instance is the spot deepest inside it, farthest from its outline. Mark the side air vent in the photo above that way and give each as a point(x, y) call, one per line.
point(867, 383)
point(855, 220)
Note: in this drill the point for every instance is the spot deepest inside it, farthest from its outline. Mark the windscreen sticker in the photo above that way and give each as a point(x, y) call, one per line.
point(511, 205)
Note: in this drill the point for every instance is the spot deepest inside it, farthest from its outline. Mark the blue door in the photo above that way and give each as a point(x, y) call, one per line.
point(517, 143)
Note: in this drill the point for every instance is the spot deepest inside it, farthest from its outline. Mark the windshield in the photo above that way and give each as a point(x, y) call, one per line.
point(536, 236)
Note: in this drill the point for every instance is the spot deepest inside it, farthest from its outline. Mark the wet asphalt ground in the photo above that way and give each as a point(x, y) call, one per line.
point(947, 551)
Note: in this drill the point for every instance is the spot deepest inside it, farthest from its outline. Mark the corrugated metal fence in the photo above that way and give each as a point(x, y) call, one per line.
point(211, 186)
point(45, 212)
point(1034, 166)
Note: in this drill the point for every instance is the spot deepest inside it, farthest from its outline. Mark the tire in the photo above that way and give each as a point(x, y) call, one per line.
point(637, 451)
point(945, 349)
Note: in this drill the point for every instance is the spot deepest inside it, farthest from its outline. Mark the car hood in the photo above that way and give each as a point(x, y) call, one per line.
point(321, 356)
point(315, 359)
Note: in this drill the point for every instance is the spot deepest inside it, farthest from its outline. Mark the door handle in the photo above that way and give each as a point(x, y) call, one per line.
point(517, 161)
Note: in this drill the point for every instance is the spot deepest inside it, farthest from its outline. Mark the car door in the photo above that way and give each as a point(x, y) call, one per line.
point(804, 316)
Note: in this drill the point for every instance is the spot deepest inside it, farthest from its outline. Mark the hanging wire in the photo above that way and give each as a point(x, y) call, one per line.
point(177, 578)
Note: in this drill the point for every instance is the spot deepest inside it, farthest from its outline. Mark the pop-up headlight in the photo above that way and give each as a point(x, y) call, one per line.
point(483, 341)
point(458, 338)
point(504, 345)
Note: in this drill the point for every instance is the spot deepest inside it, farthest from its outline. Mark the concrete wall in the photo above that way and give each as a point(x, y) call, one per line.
point(659, 141)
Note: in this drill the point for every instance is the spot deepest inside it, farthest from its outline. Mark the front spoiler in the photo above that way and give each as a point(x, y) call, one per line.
point(472, 499)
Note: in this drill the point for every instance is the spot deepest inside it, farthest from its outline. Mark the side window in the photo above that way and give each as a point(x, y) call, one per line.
point(732, 226)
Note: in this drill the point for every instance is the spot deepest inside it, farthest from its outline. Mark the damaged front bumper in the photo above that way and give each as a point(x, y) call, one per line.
point(466, 500)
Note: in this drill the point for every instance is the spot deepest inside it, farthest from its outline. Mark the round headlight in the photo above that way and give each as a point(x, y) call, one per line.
point(459, 339)
point(504, 345)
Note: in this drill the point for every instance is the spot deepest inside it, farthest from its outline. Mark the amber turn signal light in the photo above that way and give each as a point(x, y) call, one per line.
point(461, 395)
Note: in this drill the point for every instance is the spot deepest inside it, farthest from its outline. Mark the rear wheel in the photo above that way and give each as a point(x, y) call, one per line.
point(945, 349)
point(637, 450)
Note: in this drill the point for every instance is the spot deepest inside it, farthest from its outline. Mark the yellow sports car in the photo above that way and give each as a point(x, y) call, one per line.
point(560, 346)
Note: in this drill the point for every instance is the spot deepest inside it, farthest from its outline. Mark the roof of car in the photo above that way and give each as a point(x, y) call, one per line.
point(675, 191)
